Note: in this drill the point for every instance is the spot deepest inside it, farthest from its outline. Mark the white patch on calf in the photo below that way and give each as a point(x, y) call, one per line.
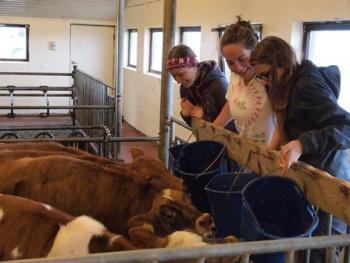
point(185, 239)
point(73, 239)
point(15, 253)
point(48, 207)
point(1, 214)
point(167, 194)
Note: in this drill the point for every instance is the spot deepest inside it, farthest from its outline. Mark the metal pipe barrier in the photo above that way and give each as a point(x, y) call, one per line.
point(58, 107)
point(44, 89)
point(80, 140)
point(91, 91)
point(32, 88)
point(36, 74)
point(28, 128)
point(174, 139)
point(89, 139)
point(243, 249)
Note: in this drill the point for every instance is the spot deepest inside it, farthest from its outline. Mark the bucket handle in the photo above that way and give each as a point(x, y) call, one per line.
point(241, 169)
point(188, 139)
point(217, 157)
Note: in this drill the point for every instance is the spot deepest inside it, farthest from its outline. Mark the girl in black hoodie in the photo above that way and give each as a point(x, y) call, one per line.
point(315, 129)
point(202, 85)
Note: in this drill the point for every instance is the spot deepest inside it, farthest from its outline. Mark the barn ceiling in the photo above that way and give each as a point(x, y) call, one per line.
point(67, 9)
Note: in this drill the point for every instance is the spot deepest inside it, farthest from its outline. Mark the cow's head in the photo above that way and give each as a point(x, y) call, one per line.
point(151, 172)
point(172, 211)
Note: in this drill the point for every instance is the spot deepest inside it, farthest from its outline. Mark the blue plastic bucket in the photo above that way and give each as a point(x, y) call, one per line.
point(273, 208)
point(197, 164)
point(174, 154)
point(225, 199)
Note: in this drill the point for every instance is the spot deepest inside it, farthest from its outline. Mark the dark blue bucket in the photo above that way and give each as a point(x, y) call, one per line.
point(198, 163)
point(225, 199)
point(174, 154)
point(273, 208)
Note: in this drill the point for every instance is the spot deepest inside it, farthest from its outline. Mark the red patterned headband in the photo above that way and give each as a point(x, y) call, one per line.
point(185, 62)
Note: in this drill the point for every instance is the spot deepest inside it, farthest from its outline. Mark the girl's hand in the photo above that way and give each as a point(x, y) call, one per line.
point(197, 112)
point(186, 107)
point(289, 154)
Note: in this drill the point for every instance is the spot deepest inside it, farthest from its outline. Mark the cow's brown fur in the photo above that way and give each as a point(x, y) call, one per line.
point(31, 228)
point(37, 149)
point(172, 211)
point(77, 187)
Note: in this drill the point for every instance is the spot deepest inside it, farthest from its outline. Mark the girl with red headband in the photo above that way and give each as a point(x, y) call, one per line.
point(202, 85)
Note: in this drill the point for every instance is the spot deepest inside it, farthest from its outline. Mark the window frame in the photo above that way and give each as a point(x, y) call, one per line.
point(308, 27)
point(27, 27)
point(185, 29)
point(131, 30)
point(153, 30)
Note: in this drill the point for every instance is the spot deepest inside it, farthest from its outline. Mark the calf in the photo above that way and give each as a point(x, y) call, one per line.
point(30, 229)
point(172, 211)
point(180, 239)
point(112, 196)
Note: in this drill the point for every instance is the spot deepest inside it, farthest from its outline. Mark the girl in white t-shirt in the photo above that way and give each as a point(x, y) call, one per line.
point(251, 110)
point(247, 102)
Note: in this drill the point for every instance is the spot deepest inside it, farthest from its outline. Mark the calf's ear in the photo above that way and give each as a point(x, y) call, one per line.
point(136, 152)
point(144, 238)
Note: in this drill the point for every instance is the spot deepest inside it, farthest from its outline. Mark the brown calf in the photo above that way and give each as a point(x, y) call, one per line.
point(172, 211)
point(112, 196)
point(30, 229)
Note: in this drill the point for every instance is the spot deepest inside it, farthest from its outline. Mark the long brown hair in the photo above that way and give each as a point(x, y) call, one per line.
point(277, 53)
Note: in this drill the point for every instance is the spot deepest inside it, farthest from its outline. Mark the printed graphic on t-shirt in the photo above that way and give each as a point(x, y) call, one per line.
point(247, 104)
point(251, 110)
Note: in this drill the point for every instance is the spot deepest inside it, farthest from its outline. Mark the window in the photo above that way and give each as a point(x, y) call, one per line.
point(156, 50)
point(191, 36)
point(14, 41)
point(327, 43)
point(222, 62)
point(132, 48)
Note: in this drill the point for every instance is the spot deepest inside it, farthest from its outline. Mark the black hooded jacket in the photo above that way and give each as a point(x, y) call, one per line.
point(208, 91)
point(315, 118)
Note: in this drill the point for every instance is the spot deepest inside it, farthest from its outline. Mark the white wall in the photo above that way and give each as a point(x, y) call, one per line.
point(141, 89)
point(42, 59)
point(281, 18)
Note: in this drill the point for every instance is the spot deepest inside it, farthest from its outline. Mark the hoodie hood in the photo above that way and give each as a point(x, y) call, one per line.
point(209, 71)
point(330, 75)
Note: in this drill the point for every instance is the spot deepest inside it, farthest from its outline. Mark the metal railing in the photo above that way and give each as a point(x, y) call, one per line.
point(174, 139)
point(93, 92)
point(243, 249)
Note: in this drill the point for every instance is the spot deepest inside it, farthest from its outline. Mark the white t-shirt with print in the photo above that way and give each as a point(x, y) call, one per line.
point(251, 109)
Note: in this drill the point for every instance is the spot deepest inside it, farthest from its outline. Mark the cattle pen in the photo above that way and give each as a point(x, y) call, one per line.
point(85, 119)
point(261, 160)
point(92, 118)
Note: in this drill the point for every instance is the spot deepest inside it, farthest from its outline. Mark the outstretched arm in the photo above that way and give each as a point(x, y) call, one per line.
point(224, 117)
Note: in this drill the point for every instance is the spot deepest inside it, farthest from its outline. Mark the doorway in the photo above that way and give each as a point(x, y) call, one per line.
point(92, 50)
